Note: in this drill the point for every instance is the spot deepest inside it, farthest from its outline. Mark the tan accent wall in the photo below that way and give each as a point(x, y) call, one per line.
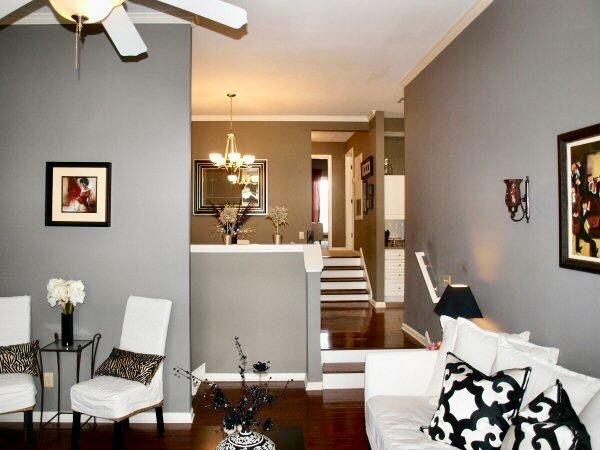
point(287, 147)
point(337, 150)
point(369, 232)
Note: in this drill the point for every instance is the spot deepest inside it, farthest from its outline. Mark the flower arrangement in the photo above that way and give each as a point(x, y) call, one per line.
point(65, 293)
point(241, 417)
point(434, 345)
point(231, 220)
point(278, 215)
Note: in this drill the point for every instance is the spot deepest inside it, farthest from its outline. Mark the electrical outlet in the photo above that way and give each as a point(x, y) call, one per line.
point(48, 379)
point(301, 235)
point(447, 279)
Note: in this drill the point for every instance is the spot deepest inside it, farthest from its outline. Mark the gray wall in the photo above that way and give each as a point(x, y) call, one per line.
point(135, 115)
point(259, 297)
point(488, 108)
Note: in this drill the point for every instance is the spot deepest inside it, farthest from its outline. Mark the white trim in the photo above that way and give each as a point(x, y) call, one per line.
point(144, 417)
point(438, 48)
point(393, 134)
point(414, 334)
point(314, 385)
point(252, 377)
point(328, 158)
point(49, 18)
point(430, 286)
point(278, 118)
point(349, 198)
point(343, 381)
point(391, 115)
point(343, 356)
point(364, 266)
point(313, 259)
point(378, 304)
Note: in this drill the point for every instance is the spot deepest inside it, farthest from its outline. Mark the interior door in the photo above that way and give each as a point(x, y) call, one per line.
point(349, 189)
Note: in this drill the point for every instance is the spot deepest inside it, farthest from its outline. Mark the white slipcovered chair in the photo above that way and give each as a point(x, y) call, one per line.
point(144, 331)
point(17, 390)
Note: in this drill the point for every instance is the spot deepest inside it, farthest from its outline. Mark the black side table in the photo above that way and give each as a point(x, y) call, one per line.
point(56, 347)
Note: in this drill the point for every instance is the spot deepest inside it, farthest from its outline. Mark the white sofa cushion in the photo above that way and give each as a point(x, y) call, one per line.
point(475, 344)
point(581, 388)
point(394, 422)
point(590, 417)
point(17, 392)
point(115, 398)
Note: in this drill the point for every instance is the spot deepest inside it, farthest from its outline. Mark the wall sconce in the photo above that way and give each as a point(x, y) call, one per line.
point(514, 201)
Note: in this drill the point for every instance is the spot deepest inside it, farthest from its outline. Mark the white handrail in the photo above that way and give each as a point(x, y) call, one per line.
point(427, 277)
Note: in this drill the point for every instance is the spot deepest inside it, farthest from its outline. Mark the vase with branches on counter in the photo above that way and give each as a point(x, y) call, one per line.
point(278, 215)
point(231, 222)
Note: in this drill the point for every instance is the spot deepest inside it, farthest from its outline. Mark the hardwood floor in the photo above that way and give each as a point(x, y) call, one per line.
point(352, 326)
point(330, 420)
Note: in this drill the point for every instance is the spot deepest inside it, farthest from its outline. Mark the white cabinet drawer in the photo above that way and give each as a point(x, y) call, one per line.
point(394, 254)
point(397, 264)
point(394, 275)
point(394, 289)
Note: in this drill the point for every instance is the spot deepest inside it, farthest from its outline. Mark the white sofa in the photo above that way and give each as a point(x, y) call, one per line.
point(397, 402)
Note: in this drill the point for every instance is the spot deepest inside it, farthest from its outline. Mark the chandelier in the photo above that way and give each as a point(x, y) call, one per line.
point(232, 161)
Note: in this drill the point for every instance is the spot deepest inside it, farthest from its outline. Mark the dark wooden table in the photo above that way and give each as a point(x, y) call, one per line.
point(285, 438)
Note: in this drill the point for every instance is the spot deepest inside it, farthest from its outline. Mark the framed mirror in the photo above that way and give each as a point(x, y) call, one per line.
point(211, 187)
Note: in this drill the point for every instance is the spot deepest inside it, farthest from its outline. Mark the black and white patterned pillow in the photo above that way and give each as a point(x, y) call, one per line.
point(475, 410)
point(550, 422)
point(132, 366)
point(20, 358)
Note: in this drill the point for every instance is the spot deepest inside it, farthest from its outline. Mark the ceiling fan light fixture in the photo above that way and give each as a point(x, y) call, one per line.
point(94, 11)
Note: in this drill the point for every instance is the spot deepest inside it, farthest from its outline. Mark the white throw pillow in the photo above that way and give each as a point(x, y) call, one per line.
point(478, 347)
point(549, 354)
point(581, 388)
point(449, 336)
point(590, 417)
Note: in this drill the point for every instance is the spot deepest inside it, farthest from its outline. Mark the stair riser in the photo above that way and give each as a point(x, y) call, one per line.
point(343, 273)
point(343, 285)
point(341, 261)
point(343, 356)
point(345, 298)
point(343, 380)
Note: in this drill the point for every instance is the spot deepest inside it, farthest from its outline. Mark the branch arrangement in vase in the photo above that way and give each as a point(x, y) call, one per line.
point(278, 215)
point(66, 294)
point(231, 221)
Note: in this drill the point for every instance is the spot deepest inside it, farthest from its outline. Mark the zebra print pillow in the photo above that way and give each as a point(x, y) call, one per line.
point(132, 366)
point(20, 358)
point(550, 422)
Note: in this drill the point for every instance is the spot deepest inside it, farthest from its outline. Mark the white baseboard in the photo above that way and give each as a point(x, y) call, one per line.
point(414, 334)
point(314, 386)
point(377, 304)
point(343, 381)
point(145, 417)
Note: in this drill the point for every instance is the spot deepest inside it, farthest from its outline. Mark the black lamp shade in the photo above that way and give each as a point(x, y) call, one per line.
point(458, 301)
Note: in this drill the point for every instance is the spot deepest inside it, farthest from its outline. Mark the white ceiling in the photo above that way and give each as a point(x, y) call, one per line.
point(318, 57)
point(310, 57)
point(330, 136)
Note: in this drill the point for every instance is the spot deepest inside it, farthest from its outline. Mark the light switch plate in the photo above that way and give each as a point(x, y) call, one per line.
point(301, 235)
point(48, 379)
point(447, 280)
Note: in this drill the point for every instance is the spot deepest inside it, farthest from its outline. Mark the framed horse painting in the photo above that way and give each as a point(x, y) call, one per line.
point(579, 192)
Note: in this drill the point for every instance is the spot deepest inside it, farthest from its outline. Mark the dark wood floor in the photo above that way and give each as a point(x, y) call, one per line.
point(352, 326)
point(330, 420)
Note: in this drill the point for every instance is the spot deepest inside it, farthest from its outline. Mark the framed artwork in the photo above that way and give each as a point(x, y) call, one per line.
point(211, 187)
point(367, 168)
point(368, 196)
point(579, 196)
point(78, 194)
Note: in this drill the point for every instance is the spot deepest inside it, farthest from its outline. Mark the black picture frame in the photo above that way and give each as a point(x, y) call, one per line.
point(86, 169)
point(579, 199)
point(367, 168)
point(203, 207)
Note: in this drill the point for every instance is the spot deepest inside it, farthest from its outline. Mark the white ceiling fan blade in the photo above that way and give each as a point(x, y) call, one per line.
point(8, 6)
point(216, 10)
point(123, 33)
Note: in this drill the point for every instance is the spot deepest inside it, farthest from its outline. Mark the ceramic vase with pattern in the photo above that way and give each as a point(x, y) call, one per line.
point(246, 440)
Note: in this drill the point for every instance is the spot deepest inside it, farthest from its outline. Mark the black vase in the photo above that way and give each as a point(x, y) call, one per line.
point(66, 328)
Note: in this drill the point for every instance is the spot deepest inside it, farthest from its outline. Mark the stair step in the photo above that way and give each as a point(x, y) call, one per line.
point(357, 367)
point(340, 279)
point(363, 298)
point(343, 285)
point(359, 267)
point(344, 261)
point(342, 256)
point(344, 291)
point(343, 381)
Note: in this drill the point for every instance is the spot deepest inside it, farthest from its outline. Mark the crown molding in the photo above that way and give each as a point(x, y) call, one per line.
point(438, 48)
point(279, 118)
point(49, 18)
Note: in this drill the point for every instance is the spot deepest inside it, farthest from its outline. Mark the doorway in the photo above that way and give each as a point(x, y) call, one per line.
point(322, 200)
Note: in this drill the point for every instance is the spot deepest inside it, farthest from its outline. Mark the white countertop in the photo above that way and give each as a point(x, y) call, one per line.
point(313, 258)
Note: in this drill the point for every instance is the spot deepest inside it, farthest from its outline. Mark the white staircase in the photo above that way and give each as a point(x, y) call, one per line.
point(344, 278)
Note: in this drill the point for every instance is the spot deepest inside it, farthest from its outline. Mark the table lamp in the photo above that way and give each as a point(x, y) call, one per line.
point(458, 301)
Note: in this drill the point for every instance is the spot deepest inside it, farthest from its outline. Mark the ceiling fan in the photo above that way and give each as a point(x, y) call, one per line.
point(119, 26)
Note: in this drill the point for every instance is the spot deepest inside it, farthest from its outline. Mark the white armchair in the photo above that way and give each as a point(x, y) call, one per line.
point(144, 331)
point(17, 390)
